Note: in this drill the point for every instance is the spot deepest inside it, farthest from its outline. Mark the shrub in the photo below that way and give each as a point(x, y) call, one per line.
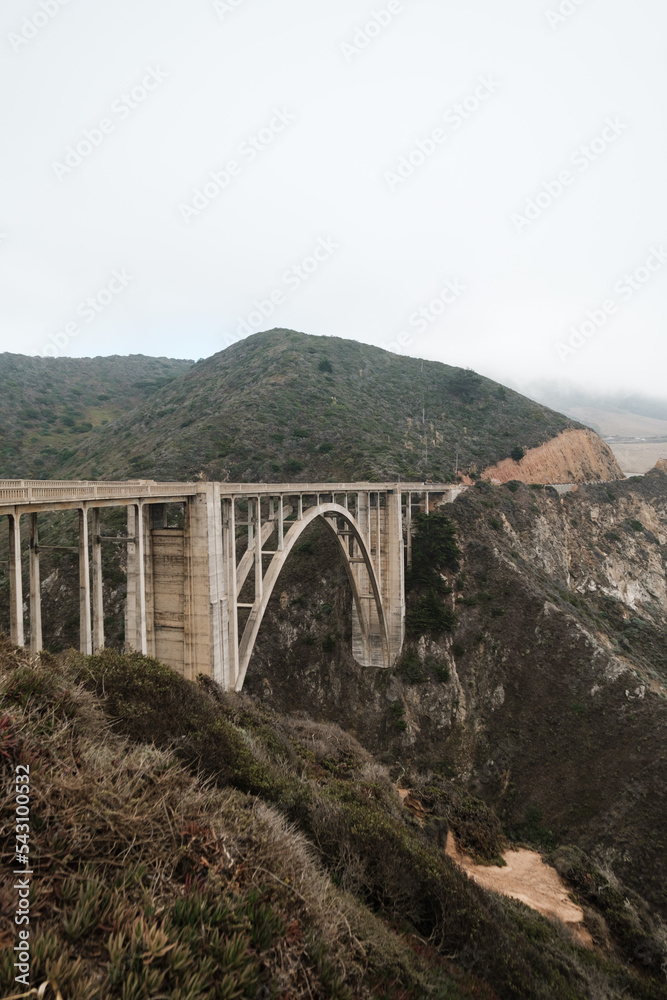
point(465, 384)
point(434, 548)
point(325, 365)
point(440, 669)
point(517, 453)
point(410, 668)
point(429, 614)
point(329, 643)
point(292, 466)
point(532, 830)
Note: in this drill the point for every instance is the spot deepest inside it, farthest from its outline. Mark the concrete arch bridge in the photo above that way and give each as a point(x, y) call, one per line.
point(185, 584)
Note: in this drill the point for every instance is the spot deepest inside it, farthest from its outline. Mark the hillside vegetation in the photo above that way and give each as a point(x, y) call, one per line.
point(286, 407)
point(534, 677)
point(190, 845)
point(47, 405)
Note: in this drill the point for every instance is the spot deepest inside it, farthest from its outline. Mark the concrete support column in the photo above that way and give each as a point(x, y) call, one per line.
point(35, 589)
point(378, 545)
point(259, 575)
point(131, 638)
point(364, 515)
point(141, 582)
point(281, 525)
point(203, 606)
point(408, 533)
point(251, 525)
point(393, 582)
point(85, 624)
point(363, 641)
point(230, 618)
point(98, 596)
point(16, 630)
point(299, 508)
point(216, 581)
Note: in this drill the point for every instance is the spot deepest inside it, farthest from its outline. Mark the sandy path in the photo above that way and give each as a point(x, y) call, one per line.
point(526, 877)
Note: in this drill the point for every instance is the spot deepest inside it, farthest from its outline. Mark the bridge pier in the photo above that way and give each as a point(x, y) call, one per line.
point(86, 636)
point(98, 584)
point(16, 630)
point(35, 589)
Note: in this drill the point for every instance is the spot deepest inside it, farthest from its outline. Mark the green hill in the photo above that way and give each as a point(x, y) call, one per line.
point(283, 406)
point(48, 404)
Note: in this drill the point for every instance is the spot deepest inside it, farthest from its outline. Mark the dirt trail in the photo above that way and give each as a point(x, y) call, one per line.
point(526, 877)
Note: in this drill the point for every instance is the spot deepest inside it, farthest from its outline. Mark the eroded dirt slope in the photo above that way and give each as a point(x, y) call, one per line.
point(574, 456)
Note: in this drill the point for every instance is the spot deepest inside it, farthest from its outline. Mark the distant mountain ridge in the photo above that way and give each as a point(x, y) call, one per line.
point(283, 406)
point(48, 405)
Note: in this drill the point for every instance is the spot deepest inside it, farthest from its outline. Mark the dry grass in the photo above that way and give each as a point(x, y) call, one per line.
point(123, 833)
point(241, 854)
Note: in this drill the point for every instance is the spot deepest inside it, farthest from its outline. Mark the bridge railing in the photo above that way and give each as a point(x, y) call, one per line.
point(16, 490)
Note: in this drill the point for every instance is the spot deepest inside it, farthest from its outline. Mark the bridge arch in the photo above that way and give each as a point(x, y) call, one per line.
point(325, 511)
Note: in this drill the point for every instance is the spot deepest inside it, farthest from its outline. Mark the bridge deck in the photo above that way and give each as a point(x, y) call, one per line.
point(42, 494)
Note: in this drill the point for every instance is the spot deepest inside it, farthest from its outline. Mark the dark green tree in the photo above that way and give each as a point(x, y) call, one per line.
point(434, 549)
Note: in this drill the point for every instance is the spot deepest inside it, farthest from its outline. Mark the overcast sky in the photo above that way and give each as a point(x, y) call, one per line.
point(475, 182)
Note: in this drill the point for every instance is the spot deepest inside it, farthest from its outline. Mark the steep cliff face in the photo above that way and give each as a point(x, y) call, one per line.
point(575, 456)
point(549, 698)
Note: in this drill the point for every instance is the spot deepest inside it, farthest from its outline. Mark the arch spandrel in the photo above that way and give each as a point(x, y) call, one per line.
point(278, 562)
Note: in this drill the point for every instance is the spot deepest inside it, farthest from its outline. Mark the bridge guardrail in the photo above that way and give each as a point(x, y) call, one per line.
point(14, 491)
